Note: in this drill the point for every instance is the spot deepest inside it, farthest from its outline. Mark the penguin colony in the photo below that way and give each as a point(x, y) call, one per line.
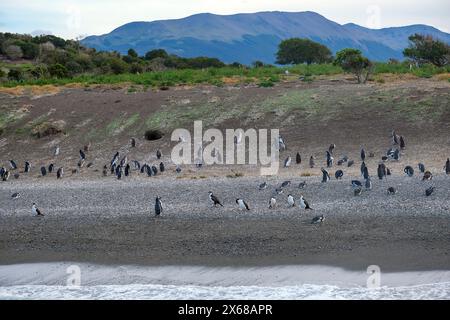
point(121, 167)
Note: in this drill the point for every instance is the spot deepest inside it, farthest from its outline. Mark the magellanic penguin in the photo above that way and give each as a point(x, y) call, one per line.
point(214, 200)
point(272, 203)
point(329, 159)
point(115, 159)
point(331, 148)
point(262, 186)
point(311, 162)
point(242, 204)
point(318, 219)
point(365, 173)
point(60, 173)
point(127, 170)
point(302, 185)
point(6, 175)
point(291, 201)
point(298, 158)
point(36, 210)
point(15, 195)
point(287, 162)
point(363, 154)
point(133, 142)
point(356, 184)
point(27, 167)
point(368, 184)
point(162, 167)
point(43, 171)
point(427, 176)
point(409, 171)
point(447, 166)
point(158, 154)
point(391, 191)
point(286, 183)
point(429, 191)
point(357, 192)
point(339, 174)
point(158, 206)
point(381, 171)
point(82, 155)
point(50, 167)
point(421, 167)
point(325, 175)
point(304, 204)
point(12, 164)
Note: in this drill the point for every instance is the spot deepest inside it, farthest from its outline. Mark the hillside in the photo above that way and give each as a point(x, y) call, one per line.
point(249, 37)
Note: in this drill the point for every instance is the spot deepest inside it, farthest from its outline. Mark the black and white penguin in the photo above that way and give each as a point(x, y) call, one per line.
point(15, 195)
point(447, 166)
point(242, 204)
point(286, 184)
point(302, 185)
point(427, 176)
point(115, 160)
point(311, 162)
point(6, 175)
point(214, 200)
point(287, 162)
point(291, 201)
point(368, 184)
point(43, 171)
point(272, 203)
point(162, 167)
point(51, 166)
point(409, 171)
point(421, 167)
point(325, 175)
point(2, 171)
point(381, 171)
point(391, 191)
point(388, 171)
point(331, 148)
point(127, 170)
point(279, 190)
point(429, 191)
point(395, 138)
point(298, 158)
point(60, 173)
point(281, 143)
point(318, 219)
point(178, 169)
point(133, 142)
point(363, 154)
point(365, 173)
point(262, 186)
point(329, 159)
point(136, 165)
point(339, 174)
point(154, 170)
point(304, 204)
point(350, 163)
point(12, 164)
point(113, 168)
point(36, 211)
point(82, 155)
point(356, 184)
point(119, 172)
point(158, 206)
point(124, 161)
point(148, 170)
point(27, 167)
point(158, 154)
point(363, 165)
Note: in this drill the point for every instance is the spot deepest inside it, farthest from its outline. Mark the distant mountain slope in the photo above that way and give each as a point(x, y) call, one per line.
point(255, 36)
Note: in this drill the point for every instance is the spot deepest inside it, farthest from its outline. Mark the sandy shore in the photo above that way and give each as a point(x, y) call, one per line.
point(111, 222)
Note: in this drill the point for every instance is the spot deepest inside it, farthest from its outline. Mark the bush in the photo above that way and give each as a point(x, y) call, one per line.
point(296, 50)
point(15, 75)
point(58, 70)
point(351, 60)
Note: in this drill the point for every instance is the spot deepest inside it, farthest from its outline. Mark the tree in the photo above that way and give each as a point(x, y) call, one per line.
point(14, 52)
point(157, 53)
point(351, 60)
point(423, 49)
point(296, 50)
point(58, 70)
point(132, 53)
point(257, 64)
point(15, 75)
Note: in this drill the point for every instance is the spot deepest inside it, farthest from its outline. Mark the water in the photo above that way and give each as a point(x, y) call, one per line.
point(150, 291)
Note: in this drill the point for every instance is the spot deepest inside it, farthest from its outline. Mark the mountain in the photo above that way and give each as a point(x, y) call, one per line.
point(255, 36)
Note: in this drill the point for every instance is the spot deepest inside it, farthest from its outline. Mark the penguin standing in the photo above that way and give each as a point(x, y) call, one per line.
point(27, 167)
point(214, 200)
point(298, 158)
point(82, 155)
point(158, 206)
point(59, 173)
point(272, 203)
point(36, 211)
point(291, 201)
point(329, 159)
point(114, 160)
point(127, 170)
point(311, 162)
point(133, 142)
point(287, 162)
point(161, 167)
point(447, 166)
point(158, 154)
point(363, 154)
point(12, 164)
point(325, 175)
point(304, 204)
point(368, 184)
point(50, 167)
point(365, 173)
point(242, 204)
point(381, 171)
point(43, 171)
point(421, 167)
point(331, 148)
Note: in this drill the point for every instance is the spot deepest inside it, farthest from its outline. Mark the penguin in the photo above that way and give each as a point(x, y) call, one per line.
point(105, 170)
point(427, 176)
point(356, 184)
point(50, 167)
point(395, 138)
point(409, 171)
point(12, 164)
point(331, 148)
point(272, 203)
point(340, 162)
point(391, 191)
point(56, 151)
point(304, 204)
point(158, 206)
point(15, 195)
point(279, 190)
point(115, 159)
point(27, 167)
point(154, 170)
point(158, 154)
point(325, 175)
point(214, 200)
point(388, 171)
point(43, 171)
point(133, 142)
point(127, 170)
point(242, 204)
point(298, 158)
point(311, 162)
point(350, 163)
point(396, 155)
point(357, 192)
point(124, 161)
point(36, 211)
point(339, 174)
point(82, 155)
point(281, 143)
point(262, 186)
point(2, 171)
point(178, 169)
point(421, 167)
point(365, 173)
point(162, 167)
point(149, 170)
point(136, 164)
point(429, 191)
point(447, 166)
point(6, 175)
point(363, 165)
point(286, 184)
point(318, 219)
point(59, 173)
point(119, 172)
point(368, 184)
point(291, 201)
point(287, 162)
point(381, 171)
point(329, 159)
point(302, 185)
point(384, 158)
point(402, 143)
point(363, 154)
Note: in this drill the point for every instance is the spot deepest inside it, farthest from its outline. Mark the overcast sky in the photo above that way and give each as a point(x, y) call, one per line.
point(74, 18)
